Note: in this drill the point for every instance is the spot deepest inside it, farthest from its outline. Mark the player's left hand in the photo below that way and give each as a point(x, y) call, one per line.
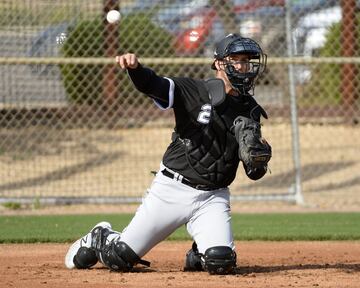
point(254, 151)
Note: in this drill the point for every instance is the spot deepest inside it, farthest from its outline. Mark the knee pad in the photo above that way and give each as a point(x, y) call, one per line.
point(193, 259)
point(219, 260)
point(118, 256)
point(85, 258)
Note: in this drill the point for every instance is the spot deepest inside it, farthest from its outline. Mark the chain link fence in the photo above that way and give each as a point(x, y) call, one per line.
point(74, 129)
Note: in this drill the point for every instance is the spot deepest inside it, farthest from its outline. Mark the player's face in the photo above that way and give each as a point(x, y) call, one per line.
point(240, 62)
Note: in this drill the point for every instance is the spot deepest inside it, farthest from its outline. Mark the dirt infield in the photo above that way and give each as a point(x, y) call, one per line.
point(260, 264)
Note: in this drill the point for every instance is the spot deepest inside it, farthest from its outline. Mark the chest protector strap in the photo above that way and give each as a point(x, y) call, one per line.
point(216, 89)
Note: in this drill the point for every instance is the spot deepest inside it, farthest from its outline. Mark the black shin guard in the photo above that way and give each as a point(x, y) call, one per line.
point(219, 260)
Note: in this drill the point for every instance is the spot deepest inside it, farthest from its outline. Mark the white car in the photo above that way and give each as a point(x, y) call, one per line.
point(310, 32)
point(310, 35)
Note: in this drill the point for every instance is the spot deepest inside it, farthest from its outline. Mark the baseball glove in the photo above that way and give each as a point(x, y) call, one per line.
point(254, 151)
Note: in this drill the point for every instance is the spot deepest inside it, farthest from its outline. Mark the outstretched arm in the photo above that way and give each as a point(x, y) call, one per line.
point(146, 80)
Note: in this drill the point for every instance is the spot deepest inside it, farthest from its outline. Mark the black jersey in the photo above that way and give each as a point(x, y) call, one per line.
point(204, 149)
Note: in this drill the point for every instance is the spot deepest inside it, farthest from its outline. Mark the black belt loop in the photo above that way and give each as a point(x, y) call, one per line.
point(185, 181)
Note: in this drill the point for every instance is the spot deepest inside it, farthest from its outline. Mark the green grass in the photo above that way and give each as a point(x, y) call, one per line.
point(269, 227)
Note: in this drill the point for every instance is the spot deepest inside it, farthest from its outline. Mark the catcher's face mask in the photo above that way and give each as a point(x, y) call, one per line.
point(242, 60)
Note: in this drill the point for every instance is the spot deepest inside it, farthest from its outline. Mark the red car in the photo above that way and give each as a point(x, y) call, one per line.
point(196, 25)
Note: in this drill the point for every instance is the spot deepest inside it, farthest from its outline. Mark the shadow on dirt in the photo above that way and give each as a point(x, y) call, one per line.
point(251, 270)
point(245, 270)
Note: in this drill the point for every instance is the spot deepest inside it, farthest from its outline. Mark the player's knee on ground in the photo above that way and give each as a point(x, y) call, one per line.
point(118, 256)
point(193, 259)
point(219, 260)
point(85, 258)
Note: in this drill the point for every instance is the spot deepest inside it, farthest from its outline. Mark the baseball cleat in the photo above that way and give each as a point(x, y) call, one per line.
point(80, 254)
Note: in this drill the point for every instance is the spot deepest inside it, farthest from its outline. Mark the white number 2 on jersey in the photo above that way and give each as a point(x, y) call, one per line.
point(204, 115)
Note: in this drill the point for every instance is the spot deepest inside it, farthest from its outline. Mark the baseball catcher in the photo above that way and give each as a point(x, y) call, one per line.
point(217, 127)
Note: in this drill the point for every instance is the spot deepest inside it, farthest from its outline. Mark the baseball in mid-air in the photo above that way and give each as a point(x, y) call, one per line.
point(113, 16)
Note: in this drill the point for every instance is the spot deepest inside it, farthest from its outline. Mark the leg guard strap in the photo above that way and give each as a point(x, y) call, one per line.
point(193, 259)
point(118, 256)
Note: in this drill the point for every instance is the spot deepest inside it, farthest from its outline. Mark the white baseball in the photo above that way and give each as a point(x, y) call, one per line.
point(113, 16)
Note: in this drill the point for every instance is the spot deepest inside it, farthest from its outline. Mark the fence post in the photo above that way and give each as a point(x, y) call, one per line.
point(294, 116)
point(348, 49)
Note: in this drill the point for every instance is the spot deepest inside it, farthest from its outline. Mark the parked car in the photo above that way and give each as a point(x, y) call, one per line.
point(140, 5)
point(47, 44)
point(309, 36)
point(196, 25)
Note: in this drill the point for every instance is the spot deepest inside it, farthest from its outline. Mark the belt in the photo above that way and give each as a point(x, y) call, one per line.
point(185, 181)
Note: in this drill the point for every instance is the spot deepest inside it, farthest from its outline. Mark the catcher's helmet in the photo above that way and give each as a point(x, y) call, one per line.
point(232, 44)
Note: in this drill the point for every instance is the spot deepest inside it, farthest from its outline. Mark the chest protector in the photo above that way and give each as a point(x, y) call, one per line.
point(212, 149)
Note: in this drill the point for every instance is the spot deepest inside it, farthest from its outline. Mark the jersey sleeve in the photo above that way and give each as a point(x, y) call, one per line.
point(160, 89)
point(187, 92)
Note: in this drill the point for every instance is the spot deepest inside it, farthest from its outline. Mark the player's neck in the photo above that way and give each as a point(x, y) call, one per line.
point(233, 92)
